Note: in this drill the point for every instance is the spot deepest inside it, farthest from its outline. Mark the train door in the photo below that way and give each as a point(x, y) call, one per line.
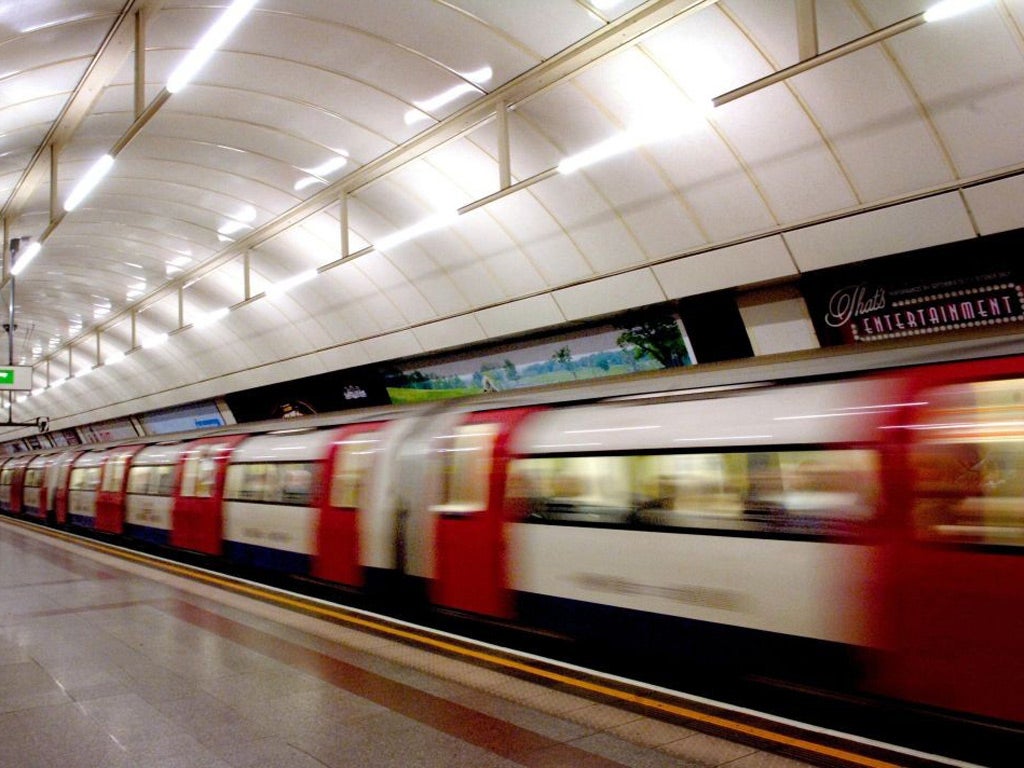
point(35, 499)
point(958, 610)
point(344, 494)
point(83, 485)
point(58, 487)
point(12, 481)
point(111, 497)
point(152, 479)
point(197, 517)
point(470, 522)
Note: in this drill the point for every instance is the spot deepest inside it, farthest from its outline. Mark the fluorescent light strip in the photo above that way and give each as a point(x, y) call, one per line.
point(429, 224)
point(208, 44)
point(204, 321)
point(25, 257)
point(88, 182)
point(290, 282)
point(947, 9)
point(155, 341)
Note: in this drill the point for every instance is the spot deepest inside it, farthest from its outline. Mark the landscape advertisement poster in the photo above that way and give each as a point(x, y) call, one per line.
point(642, 341)
point(647, 341)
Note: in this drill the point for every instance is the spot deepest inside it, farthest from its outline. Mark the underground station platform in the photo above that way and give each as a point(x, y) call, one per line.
point(112, 658)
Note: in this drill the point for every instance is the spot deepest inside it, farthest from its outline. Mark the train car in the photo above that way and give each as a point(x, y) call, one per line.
point(738, 529)
point(12, 483)
point(271, 501)
point(153, 476)
point(36, 501)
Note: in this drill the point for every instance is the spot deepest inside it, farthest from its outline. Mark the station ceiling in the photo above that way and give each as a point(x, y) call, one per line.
point(352, 181)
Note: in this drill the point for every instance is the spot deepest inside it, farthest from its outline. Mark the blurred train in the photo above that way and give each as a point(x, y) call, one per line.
point(871, 524)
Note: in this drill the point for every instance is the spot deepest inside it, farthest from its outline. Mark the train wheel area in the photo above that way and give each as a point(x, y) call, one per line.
point(114, 657)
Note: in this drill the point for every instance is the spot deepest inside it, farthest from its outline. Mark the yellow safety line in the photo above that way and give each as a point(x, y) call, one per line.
point(342, 616)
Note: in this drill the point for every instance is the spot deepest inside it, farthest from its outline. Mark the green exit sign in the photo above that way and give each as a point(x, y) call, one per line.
point(16, 377)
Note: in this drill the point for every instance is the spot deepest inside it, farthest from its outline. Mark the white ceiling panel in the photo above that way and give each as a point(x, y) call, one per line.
point(931, 221)
point(610, 294)
point(996, 207)
point(394, 346)
point(458, 331)
point(521, 316)
point(757, 261)
point(968, 70)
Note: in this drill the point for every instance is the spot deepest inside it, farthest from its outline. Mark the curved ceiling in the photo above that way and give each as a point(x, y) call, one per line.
point(358, 180)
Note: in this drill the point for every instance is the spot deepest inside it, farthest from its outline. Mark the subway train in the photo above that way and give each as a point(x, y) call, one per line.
point(869, 526)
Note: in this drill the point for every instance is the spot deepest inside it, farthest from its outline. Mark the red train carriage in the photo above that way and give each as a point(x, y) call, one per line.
point(954, 577)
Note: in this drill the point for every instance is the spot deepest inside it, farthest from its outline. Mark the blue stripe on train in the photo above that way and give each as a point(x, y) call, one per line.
point(147, 533)
point(34, 512)
point(266, 557)
point(82, 521)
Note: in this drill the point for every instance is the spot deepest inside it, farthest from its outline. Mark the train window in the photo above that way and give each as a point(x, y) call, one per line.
point(823, 492)
point(163, 480)
point(34, 477)
point(199, 476)
point(113, 473)
point(138, 479)
point(465, 457)
point(290, 483)
point(152, 480)
point(85, 478)
point(352, 465)
point(574, 489)
point(968, 464)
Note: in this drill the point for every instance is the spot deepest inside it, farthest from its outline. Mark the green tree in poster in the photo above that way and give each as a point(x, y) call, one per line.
point(564, 358)
point(653, 335)
point(510, 370)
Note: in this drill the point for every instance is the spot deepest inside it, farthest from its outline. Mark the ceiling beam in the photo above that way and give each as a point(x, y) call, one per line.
point(119, 42)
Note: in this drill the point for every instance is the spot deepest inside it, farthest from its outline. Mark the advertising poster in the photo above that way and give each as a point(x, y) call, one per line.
point(644, 341)
point(968, 285)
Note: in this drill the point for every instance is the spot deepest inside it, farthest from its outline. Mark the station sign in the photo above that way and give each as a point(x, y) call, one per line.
point(16, 377)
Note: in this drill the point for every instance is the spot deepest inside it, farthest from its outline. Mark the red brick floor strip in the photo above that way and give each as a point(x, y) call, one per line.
point(493, 734)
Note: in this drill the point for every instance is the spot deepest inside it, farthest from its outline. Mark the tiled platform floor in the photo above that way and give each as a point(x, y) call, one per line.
point(105, 664)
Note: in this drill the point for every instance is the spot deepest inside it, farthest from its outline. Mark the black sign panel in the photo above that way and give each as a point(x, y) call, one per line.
point(954, 287)
point(326, 392)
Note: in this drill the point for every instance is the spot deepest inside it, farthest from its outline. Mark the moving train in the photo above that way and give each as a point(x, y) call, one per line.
point(864, 524)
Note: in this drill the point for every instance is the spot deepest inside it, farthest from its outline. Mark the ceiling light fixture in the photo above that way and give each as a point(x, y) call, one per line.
point(208, 44)
point(947, 9)
point(88, 182)
point(429, 224)
point(25, 257)
point(290, 282)
point(155, 341)
point(208, 319)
